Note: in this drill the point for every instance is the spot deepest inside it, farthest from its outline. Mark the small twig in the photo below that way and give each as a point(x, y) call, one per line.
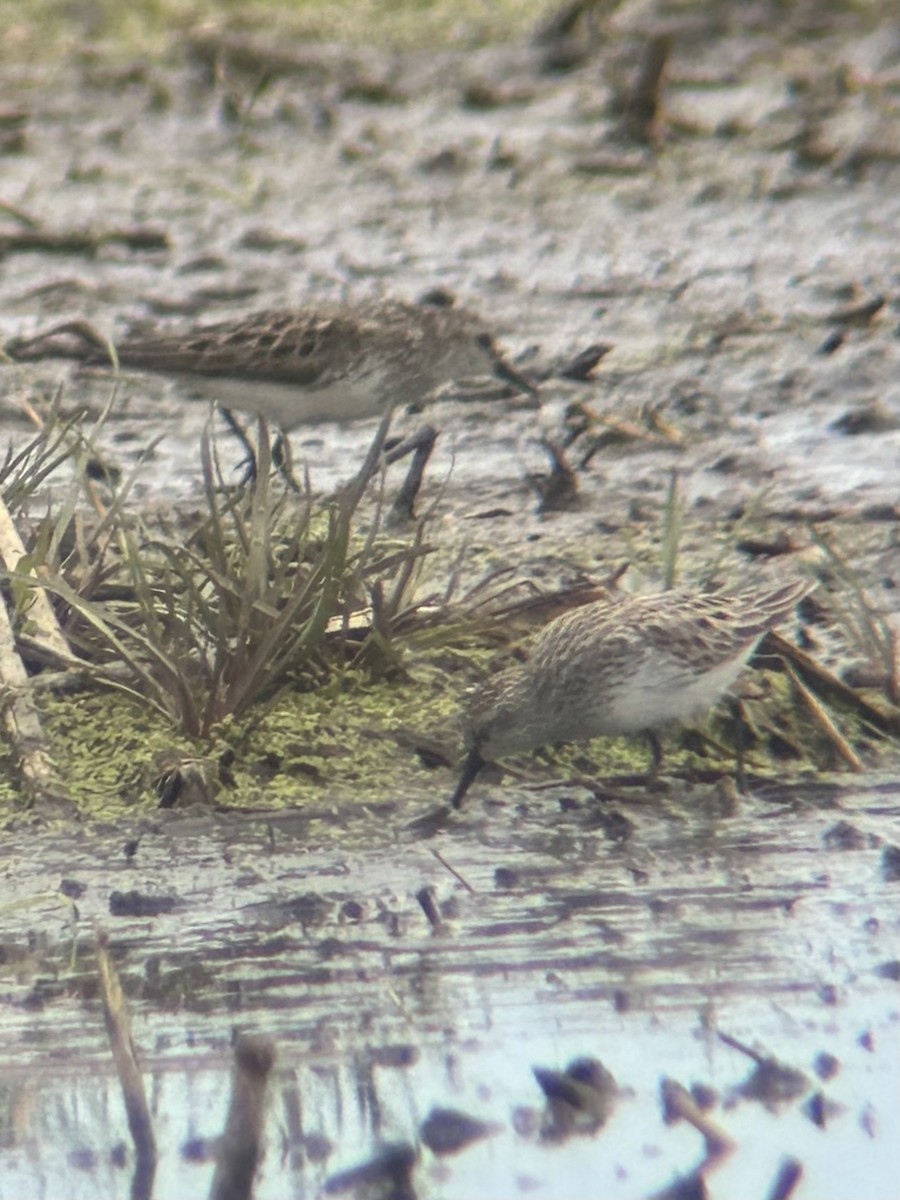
point(618, 430)
point(456, 875)
point(23, 217)
point(426, 897)
point(651, 414)
point(118, 1028)
point(827, 682)
point(894, 680)
point(643, 102)
point(80, 241)
point(21, 718)
point(824, 721)
point(678, 1104)
point(40, 611)
point(742, 1048)
point(859, 314)
point(789, 1175)
point(239, 1149)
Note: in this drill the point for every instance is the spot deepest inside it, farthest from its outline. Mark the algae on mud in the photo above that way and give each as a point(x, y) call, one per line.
point(233, 623)
point(353, 739)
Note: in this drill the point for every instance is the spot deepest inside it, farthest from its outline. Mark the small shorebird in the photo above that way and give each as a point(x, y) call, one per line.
point(303, 366)
point(324, 362)
point(618, 666)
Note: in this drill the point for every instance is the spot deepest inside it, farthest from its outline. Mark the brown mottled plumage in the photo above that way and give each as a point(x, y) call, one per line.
point(621, 665)
point(327, 362)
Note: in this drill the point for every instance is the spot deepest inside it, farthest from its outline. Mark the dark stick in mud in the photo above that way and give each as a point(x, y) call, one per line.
point(118, 1028)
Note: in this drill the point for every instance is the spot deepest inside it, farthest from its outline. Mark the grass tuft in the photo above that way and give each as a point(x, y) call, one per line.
point(201, 623)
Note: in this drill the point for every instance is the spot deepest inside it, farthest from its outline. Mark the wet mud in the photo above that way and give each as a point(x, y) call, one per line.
point(505, 1002)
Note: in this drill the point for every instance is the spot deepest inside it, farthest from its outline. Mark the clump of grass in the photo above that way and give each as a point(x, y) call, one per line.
point(204, 622)
point(204, 619)
point(865, 628)
point(216, 615)
point(26, 470)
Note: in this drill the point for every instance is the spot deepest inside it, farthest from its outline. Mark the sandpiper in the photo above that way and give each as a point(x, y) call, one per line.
point(621, 665)
point(324, 362)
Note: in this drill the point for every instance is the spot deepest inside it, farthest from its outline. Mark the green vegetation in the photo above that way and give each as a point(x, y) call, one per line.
point(255, 648)
point(272, 649)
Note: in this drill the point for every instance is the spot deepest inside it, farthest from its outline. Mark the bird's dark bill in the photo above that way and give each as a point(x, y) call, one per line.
point(471, 767)
point(503, 370)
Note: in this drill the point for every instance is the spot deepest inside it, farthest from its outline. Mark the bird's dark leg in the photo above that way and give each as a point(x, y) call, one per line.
point(473, 764)
point(283, 461)
point(420, 445)
point(250, 467)
point(656, 753)
point(281, 453)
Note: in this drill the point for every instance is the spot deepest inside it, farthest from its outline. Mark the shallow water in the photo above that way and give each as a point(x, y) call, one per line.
point(633, 929)
point(775, 925)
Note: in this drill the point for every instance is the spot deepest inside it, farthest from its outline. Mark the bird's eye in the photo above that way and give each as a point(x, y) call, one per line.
point(485, 340)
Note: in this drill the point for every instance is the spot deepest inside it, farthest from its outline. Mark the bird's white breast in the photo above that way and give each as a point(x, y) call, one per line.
point(659, 690)
point(289, 405)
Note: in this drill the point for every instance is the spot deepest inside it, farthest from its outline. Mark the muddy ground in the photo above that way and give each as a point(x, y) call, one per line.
point(733, 239)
